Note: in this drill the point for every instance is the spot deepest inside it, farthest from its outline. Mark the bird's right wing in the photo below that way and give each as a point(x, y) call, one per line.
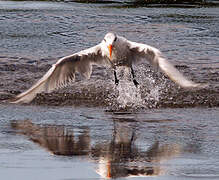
point(63, 72)
point(154, 56)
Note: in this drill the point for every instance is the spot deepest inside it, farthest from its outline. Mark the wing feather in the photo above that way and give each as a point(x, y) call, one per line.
point(154, 57)
point(63, 72)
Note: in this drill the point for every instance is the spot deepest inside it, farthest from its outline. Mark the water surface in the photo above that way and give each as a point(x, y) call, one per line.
point(94, 129)
point(87, 143)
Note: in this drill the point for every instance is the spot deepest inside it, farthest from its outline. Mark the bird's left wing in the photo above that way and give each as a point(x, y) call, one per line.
point(154, 56)
point(63, 72)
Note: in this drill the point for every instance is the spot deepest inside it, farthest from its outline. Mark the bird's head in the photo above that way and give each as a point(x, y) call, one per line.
point(110, 43)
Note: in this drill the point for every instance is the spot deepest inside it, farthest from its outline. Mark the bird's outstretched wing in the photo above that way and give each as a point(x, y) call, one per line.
point(63, 72)
point(154, 56)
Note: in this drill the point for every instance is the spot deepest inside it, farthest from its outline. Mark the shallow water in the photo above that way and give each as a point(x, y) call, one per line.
point(88, 143)
point(93, 129)
point(35, 34)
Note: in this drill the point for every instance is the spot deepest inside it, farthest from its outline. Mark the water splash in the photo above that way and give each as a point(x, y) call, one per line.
point(147, 95)
point(129, 95)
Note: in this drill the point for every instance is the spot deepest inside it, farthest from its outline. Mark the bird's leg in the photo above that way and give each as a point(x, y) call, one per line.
point(116, 80)
point(133, 76)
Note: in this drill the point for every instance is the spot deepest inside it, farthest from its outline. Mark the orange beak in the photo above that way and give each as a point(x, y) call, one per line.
point(108, 170)
point(110, 50)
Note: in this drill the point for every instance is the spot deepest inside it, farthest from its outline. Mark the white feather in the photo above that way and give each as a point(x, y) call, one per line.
point(124, 53)
point(154, 56)
point(63, 73)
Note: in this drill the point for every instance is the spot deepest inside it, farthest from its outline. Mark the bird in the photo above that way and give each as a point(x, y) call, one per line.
point(113, 51)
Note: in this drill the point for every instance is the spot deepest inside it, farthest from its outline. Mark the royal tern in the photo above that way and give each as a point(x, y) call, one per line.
point(113, 51)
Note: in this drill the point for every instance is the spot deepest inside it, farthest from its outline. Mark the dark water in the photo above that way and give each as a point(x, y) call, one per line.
point(94, 129)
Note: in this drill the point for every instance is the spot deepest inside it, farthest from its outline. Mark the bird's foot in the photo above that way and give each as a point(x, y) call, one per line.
point(116, 82)
point(135, 83)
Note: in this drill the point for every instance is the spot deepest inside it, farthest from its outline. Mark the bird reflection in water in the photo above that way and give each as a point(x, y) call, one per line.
point(56, 139)
point(122, 157)
point(119, 157)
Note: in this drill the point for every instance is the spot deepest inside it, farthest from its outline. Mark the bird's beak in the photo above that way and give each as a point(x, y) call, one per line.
point(110, 50)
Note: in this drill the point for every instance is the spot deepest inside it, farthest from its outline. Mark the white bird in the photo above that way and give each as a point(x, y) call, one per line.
point(114, 51)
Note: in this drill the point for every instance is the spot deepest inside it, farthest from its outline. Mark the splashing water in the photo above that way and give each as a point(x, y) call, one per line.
point(129, 95)
point(147, 95)
point(151, 92)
